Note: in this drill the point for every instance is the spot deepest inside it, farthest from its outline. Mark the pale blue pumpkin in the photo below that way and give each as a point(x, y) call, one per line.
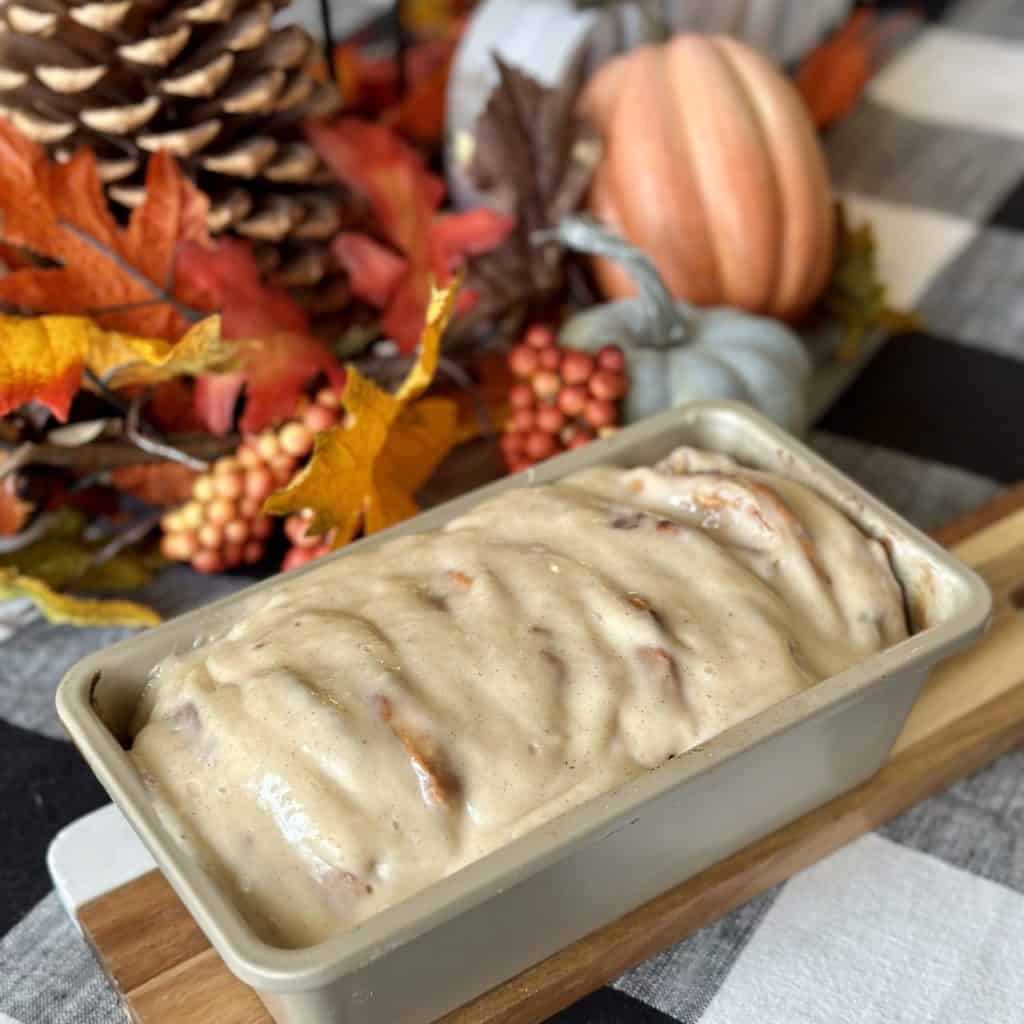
point(678, 353)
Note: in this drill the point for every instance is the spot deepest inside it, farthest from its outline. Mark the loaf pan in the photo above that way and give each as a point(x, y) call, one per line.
point(472, 930)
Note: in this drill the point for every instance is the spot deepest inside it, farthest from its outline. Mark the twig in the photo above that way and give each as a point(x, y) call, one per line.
point(125, 539)
point(20, 456)
point(184, 311)
point(328, 30)
point(106, 455)
point(33, 532)
point(150, 444)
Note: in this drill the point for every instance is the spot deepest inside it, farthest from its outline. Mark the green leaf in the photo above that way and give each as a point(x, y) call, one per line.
point(856, 295)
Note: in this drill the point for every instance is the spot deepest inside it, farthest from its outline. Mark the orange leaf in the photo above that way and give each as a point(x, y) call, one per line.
point(834, 74)
point(59, 211)
point(374, 271)
point(420, 113)
point(275, 353)
point(364, 474)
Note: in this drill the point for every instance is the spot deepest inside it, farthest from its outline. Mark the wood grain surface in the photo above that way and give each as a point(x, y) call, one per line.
point(970, 712)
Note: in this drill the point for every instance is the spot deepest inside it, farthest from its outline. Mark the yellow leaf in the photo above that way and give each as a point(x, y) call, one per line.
point(124, 361)
point(365, 473)
point(42, 358)
point(75, 611)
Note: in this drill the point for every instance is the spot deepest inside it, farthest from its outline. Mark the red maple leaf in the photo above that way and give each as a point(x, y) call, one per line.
point(277, 355)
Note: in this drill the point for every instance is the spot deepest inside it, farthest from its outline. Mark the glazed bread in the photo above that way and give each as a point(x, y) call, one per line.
point(376, 724)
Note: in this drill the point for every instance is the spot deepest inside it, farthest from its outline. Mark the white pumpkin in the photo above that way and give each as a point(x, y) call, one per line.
point(677, 353)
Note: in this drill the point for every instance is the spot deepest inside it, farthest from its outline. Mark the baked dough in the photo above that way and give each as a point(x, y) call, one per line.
point(374, 725)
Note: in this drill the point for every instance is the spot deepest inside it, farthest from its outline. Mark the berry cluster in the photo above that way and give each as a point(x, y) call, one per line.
point(562, 398)
point(223, 525)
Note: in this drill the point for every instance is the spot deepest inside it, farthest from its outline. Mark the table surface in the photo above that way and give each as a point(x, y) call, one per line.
point(934, 155)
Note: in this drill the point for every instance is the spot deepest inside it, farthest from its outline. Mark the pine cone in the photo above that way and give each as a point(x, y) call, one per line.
point(211, 81)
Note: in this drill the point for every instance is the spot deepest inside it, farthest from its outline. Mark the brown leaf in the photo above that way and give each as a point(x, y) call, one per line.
point(156, 483)
point(533, 157)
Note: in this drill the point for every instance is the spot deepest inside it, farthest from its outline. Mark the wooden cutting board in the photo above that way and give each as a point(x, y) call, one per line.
point(971, 712)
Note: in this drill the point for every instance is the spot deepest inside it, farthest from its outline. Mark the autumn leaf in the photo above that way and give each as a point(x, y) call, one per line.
point(70, 610)
point(64, 559)
point(365, 473)
point(834, 75)
point(856, 295)
point(275, 352)
point(532, 156)
point(122, 278)
point(42, 358)
point(405, 197)
point(374, 271)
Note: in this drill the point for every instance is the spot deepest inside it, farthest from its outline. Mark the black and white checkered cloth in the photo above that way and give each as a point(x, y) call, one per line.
point(920, 921)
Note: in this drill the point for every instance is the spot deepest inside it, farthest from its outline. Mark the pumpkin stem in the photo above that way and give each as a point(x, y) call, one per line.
point(671, 321)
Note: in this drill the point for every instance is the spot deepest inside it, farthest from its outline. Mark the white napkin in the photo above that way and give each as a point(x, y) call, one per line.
point(881, 933)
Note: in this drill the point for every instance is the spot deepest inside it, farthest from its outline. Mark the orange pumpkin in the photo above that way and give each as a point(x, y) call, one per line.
point(712, 166)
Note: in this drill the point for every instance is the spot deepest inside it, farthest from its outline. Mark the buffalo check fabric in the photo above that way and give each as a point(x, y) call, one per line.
point(924, 919)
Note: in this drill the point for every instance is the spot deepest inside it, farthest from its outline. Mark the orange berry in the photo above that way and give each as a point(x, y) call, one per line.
point(572, 399)
point(283, 468)
point(225, 464)
point(295, 529)
point(236, 532)
point(318, 417)
point(540, 445)
point(252, 552)
point(262, 527)
point(539, 336)
point(580, 440)
point(191, 515)
point(221, 511)
point(600, 413)
point(329, 398)
point(297, 438)
point(267, 445)
point(520, 396)
point(522, 361)
point(522, 419)
point(210, 536)
point(202, 488)
point(296, 557)
point(248, 457)
point(172, 522)
point(546, 384)
point(207, 561)
point(512, 444)
point(550, 418)
point(577, 367)
point(607, 385)
point(248, 508)
point(611, 358)
point(259, 482)
point(229, 483)
point(178, 547)
point(549, 358)
point(233, 555)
